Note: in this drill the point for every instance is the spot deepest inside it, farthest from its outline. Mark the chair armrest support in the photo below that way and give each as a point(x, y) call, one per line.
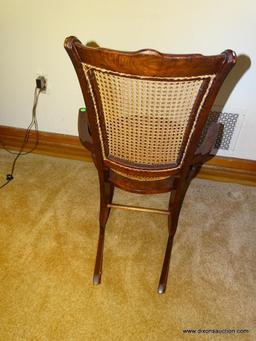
point(84, 130)
point(206, 150)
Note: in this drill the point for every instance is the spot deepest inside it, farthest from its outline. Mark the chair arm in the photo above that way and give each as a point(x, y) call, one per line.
point(206, 150)
point(84, 130)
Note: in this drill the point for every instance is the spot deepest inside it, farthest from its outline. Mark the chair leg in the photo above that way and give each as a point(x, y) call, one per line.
point(165, 270)
point(99, 257)
point(175, 204)
point(106, 195)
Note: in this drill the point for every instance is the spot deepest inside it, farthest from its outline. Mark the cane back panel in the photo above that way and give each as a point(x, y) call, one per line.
point(145, 122)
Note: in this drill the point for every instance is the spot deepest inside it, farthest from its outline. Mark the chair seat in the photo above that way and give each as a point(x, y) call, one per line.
point(140, 178)
point(141, 184)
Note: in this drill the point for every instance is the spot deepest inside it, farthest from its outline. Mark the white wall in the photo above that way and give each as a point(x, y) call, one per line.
point(32, 34)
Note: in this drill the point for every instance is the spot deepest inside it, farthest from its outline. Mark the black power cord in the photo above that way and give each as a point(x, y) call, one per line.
point(33, 123)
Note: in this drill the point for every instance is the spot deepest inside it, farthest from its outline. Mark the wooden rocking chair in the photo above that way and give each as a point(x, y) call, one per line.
point(145, 115)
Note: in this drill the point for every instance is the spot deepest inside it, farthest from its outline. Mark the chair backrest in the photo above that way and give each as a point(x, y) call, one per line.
point(147, 109)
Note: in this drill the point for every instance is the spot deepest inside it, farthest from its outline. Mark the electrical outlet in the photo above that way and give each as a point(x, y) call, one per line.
point(41, 83)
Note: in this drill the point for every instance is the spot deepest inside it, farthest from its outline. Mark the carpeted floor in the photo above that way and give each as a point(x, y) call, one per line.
point(48, 236)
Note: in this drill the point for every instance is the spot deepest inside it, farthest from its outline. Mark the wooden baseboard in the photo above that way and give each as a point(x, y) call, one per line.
point(52, 144)
point(223, 169)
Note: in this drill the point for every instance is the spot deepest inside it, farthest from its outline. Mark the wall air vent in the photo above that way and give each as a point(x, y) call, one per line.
point(229, 132)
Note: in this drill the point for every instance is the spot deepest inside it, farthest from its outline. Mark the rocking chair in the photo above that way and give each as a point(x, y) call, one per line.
point(145, 112)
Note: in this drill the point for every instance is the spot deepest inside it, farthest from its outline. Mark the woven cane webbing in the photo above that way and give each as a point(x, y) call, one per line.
point(140, 178)
point(145, 119)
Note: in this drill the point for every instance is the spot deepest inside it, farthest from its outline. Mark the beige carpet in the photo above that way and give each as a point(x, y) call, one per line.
point(48, 236)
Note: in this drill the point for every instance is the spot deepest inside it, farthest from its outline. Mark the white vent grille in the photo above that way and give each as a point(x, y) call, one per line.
point(228, 135)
